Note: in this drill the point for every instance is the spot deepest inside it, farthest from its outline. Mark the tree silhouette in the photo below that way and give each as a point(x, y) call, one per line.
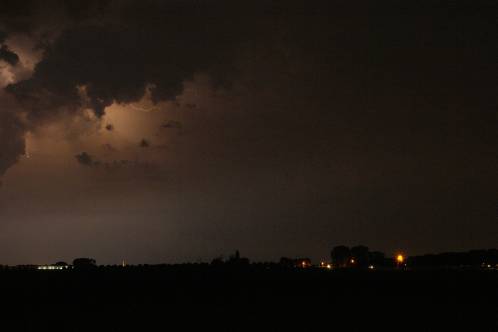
point(360, 254)
point(84, 263)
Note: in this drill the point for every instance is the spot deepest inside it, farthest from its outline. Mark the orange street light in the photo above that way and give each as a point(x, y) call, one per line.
point(400, 259)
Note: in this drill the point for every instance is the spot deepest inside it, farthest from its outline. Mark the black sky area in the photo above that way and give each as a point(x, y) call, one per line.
point(166, 131)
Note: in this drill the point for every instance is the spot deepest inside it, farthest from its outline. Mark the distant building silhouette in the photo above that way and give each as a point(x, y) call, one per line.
point(237, 260)
point(341, 256)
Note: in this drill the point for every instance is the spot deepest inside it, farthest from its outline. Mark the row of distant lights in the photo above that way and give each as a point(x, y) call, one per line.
point(399, 259)
point(52, 267)
point(328, 266)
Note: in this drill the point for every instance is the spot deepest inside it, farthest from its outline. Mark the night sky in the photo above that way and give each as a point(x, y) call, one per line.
point(171, 131)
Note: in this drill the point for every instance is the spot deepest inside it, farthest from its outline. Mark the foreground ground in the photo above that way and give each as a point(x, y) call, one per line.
point(206, 298)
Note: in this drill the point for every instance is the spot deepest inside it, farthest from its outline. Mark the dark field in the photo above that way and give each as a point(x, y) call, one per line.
point(192, 297)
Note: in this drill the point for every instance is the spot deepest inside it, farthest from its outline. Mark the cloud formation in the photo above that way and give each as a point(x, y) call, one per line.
point(166, 44)
point(106, 52)
point(8, 56)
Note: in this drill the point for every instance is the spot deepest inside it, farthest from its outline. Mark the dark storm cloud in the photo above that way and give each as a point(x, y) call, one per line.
point(36, 17)
point(375, 64)
point(147, 44)
point(114, 55)
point(8, 56)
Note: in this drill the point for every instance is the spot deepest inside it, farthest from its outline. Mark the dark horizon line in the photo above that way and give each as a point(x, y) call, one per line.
point(225, 259)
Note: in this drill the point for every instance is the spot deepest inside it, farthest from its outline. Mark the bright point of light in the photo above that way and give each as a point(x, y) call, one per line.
point(329, 266)
point(400, 259)
point(371, 267)
point(352, 261)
